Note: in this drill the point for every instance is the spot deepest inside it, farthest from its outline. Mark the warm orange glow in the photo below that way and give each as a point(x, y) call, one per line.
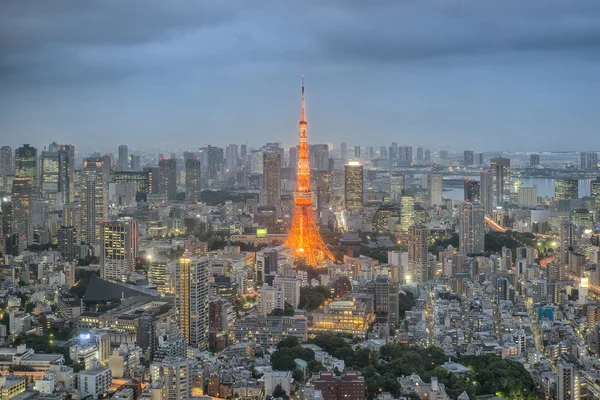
point(304, 237)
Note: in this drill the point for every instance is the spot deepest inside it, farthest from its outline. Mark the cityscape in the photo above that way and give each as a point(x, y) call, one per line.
point(294, 267)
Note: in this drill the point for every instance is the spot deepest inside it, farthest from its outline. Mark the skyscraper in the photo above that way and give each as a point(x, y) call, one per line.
point(595, 189)
point(534, 160)
point(119, 248)
point(192, 299)
point(271, 178)
point(589, 160)
point(343, 151)
point(231, 157)
point(94, 199)
point(123, 160)
point(500, 179)
point(472, 190)
point(51, 172)
point(434, 186)
point(177, 373)
point(304, 237)
point(566, 241)
point(214, 161)
point(167, 178)
point(420, 155)
point(397, 184)
point(357, 152)
point(486, 191)
point(353, 186)
point(566, 189)
point(471, 228)
point(405, 155)
point(407, 213)
point(67, 172)
point(136, 162)
point(418, 264)
point(22, 210)
point(193, 186)
point(319, 157)
point(26, 166)
point(468, 157)
point(6, 160)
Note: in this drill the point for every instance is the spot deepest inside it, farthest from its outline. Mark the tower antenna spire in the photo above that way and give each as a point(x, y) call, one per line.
point(303, 108)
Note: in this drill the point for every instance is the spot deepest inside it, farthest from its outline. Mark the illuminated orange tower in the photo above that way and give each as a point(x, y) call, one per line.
point(304, 237)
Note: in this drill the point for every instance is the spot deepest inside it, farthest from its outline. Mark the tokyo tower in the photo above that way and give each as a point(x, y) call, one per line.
point(304, 237)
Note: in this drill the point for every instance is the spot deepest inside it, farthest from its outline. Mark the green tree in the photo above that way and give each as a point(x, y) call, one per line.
point(312, 297)
point(279, 392)
point(298, 375)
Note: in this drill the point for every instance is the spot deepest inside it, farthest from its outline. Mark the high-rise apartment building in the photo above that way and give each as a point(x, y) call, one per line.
point(500, 180)
point(22, 210)
point(26, 166)
point(357, 152)
point(589, 160)
point(176, 373)
point(343, 151)
point(566, 189)
point(193, 186)
point(595, 189)
point(272, 178)
point(353, 186)
point(405, 156)
point(566, 240)
point(167, 178)
point(434, 189)
point(418, 264)
point(527, 196)
point(119, 248)
point(6, 160)
point(386, 298)
point(471, 228)
point(135, 163)
point(534, 160)
point(468, 157)
point(192, 299)
point(123, 160)
point(94, 196)
point(420, 156)
point(67, 243)
point(67, 172)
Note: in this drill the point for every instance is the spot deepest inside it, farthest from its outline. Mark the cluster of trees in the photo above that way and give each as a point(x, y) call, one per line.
point(216, 197)
point(288, 311)
point(88, 260)
point(311, 297)
point(494, 241)
point(289, 350)
point(407, 302)
point(489, 374)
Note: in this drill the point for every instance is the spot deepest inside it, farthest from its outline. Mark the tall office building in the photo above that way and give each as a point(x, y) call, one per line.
point(434, 189)
point(22, 210)
point(192, 299)
point(427, 156)
point(370, 153)
point(343, 151)
point(353, 186)
point(94, 198)
point(193, 186)
point(589, 160)
point(6, 160)
point(420, 156)
point(167, 178)
point(407, 213)
point(386, 298)
point(397, 184)
point(405, 155)
point(566, 240)
point(51, 172)
point(595, 189)
point(67, 172)
point(135, 162)
point(471, 228)
point(468, 157)
point(500, 180)
point(26, 166)
point(67, 243)
point(471, 190)
point(566, 189)
point(243, 151)
point(319, 157)
point(119, 248)
point(357, 152)
point(534, 160)
point(231, 157)
point(418, 264)
point(271, 179)
point(486, 191)
point(214, 161)
point(123, 160)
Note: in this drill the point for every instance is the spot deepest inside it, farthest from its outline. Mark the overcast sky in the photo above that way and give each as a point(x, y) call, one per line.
point(480, 74)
